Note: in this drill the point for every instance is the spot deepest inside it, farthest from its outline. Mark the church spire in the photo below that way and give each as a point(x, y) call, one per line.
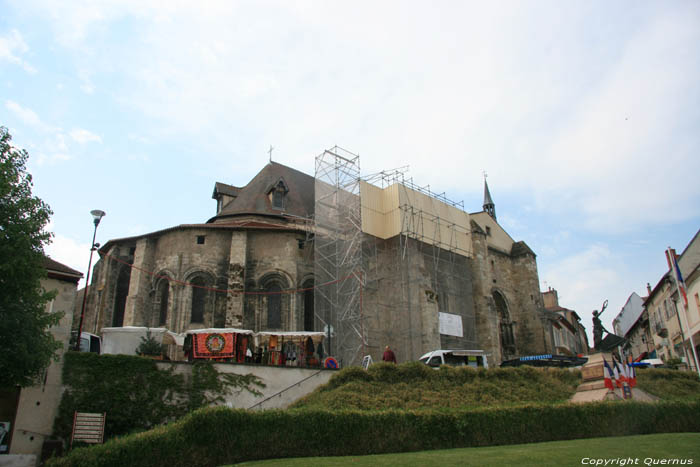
point(489, 206)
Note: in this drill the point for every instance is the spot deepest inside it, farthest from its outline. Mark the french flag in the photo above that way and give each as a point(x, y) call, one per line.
point(616, 374)
point(608, 376)
point(681, 282)
point(673, 263)
point(632, 377)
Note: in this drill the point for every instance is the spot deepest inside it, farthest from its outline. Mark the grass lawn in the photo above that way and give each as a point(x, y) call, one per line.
point(644, 449)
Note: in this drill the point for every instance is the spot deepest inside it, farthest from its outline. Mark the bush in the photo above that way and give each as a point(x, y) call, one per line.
point(135, 393)
point(216, 436)
point(150, 346)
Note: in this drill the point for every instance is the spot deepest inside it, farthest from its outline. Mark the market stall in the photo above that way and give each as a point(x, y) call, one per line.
point(226, 344)
point(295, 349)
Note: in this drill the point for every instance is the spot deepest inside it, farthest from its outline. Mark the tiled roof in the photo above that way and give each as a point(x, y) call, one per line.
point(253, 198)
point(60, 271)
point(225, 189)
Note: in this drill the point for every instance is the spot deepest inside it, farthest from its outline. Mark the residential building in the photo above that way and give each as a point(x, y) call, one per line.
point(567, 333)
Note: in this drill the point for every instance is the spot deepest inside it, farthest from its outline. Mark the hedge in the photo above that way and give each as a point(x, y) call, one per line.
point(216, 436)
point(136, 394)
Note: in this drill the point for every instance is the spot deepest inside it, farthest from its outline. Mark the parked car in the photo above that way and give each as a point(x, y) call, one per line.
point(88, 342)
point(652, 363)
point(548, 360)
point(472, 358)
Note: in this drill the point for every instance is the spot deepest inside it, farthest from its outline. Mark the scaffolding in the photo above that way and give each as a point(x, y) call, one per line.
point(423, 250)
point(338, 264)
point(428, 255)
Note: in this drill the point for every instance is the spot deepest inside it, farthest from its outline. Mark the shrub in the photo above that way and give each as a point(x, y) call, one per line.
point(135, 393)
point(216, 436)
point(150, 346)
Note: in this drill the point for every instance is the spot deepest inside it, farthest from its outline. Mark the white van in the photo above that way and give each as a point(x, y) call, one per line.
point(473, 358)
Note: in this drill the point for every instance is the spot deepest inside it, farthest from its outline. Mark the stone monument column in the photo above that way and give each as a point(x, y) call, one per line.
point(236, 279)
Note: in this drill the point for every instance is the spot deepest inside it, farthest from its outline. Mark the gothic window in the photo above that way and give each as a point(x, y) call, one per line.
point(274, 306)
point(308, 305)
point(249, 306)
point(278, 199)
point(120, 297)
point(505, 326)
point(278, 194)
point(199, 299)
point(163, 295)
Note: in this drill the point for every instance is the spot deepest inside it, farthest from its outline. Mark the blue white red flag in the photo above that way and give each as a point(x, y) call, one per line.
point(681, 282)
point(608, 376)
point(632, 376)
point(616, 374)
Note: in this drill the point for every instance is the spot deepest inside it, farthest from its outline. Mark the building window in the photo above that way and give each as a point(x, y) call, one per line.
point(308, 306)
point(200, 239)
point(199, 300)
point(274, 306)
point(488, 230)
point(120, 297)
point(163, 295)
point(278, 193)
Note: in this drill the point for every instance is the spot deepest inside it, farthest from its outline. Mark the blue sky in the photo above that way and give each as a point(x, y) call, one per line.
point(584, 114)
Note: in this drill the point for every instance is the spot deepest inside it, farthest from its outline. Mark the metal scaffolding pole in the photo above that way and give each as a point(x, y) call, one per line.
point(338, 254)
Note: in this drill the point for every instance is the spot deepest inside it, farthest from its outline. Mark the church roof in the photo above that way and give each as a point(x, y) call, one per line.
point(58, 270)
point(225, 189)
point(487, 195)
point(253, 198)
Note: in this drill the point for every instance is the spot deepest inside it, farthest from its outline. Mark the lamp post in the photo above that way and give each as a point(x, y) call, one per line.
point(97, 216)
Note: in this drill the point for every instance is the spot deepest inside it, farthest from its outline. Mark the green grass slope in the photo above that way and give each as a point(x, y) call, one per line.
point(415, 386)
point(669, 384)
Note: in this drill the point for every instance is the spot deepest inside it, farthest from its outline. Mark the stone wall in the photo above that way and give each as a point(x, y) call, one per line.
point(219, 260)
point(407, 286)
point(38, 405)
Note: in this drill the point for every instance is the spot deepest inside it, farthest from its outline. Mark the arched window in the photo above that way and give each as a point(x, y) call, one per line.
point(163, 296)
point(249, 307)
point(120, 297)
point(308, 305)
point(199, 299)
point(274, 306)
point(505, 326)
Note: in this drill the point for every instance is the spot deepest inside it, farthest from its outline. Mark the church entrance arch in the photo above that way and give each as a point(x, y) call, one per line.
point(505, 327)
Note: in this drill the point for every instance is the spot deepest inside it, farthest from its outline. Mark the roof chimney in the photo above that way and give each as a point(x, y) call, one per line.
point(648, 289)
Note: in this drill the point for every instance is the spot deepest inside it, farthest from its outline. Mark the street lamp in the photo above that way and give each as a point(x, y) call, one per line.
point(97, 216)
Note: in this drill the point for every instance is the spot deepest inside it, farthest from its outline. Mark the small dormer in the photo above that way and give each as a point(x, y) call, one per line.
point(224, 194)
point(277, 193)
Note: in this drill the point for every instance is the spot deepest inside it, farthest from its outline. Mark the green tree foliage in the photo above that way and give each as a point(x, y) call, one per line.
point(26, 344)
point(137, 394)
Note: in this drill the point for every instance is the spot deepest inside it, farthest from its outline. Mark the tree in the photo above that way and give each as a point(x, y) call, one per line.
point(26, 343)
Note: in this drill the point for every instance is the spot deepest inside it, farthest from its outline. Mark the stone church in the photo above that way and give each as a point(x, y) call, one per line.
point(432, 275)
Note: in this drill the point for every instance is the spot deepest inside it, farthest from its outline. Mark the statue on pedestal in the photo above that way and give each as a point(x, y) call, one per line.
point(598, 328)
point(611, 340)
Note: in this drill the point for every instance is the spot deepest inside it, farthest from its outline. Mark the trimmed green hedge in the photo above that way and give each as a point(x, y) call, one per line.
point(136, 394)
point(216, 436)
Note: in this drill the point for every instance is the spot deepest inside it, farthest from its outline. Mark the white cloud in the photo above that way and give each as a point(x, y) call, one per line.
point(70, 252)
point(83, 136)
point(27, 115)
point(585, 279)
point(11, 45)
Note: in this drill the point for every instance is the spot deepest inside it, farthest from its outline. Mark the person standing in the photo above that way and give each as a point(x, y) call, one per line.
point(389, 356)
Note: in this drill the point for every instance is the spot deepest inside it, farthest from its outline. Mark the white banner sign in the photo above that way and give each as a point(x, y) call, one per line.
point(451, 325)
